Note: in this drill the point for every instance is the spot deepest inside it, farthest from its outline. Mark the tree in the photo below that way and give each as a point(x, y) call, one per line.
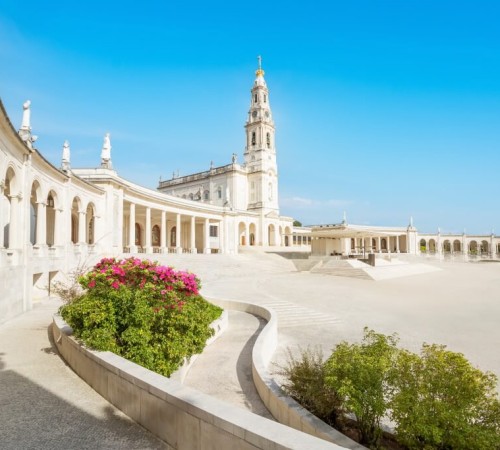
point(360, 374)
point(296, 223)
point(442, 402)
point(304, 380)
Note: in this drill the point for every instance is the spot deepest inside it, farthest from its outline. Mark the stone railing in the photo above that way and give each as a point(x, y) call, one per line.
point(181, 416)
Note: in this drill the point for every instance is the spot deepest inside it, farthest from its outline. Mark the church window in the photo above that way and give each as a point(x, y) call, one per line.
point(206, 195)
point(268, 139)
point(253, 138)
point(265, 98)
point(255, 99)
point(214, 231)
point(219, 193)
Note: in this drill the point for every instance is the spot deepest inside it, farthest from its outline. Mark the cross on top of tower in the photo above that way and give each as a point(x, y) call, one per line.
point(259, 71)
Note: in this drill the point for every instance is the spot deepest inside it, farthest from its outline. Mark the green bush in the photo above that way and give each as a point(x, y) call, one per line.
point(147, 313)
point(304, 380)
point(442, 402)
point(361, 374)
point(436, 399)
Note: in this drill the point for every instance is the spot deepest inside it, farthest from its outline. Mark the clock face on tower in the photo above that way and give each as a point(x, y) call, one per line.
point(254, 114)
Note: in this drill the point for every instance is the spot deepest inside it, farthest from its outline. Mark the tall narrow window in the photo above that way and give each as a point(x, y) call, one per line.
point(265, 98)
point(268, 139)
point(255, 98)
point(253, 138)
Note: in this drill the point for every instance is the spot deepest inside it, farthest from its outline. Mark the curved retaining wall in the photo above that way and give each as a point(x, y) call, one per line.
point(181, 416)
point(283, 408)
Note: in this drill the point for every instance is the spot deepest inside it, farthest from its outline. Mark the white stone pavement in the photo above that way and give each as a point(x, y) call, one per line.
point(44, 404)
point(458, 306)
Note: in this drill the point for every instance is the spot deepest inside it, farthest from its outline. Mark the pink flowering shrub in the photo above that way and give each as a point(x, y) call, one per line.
point(148, 313)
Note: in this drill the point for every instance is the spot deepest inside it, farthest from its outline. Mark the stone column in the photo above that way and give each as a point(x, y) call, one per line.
point(131, 230)
point(14, 220)
point(82, 228)
point(58, 230)
point(41, 221)
point(178, 246)
point(163, 232)
point(379, 244)
point(247, 235)
point(147, 231)
point(222, 244)
point(206, 240)
point(193, 235)
point(397, 244)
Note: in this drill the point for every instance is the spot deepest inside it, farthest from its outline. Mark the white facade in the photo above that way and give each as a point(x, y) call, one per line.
point(53, 220)
point(251, 186)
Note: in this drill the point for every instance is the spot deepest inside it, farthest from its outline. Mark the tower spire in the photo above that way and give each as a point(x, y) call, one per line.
point(259, 72)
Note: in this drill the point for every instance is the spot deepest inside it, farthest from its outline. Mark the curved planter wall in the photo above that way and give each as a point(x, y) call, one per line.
point(181, 416)
point(283, 408)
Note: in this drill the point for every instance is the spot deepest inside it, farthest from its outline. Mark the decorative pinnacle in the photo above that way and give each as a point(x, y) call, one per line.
point(259, 72)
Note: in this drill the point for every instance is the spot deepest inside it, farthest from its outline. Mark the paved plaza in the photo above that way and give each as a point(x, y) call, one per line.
point(46, 405)
point(458, 306)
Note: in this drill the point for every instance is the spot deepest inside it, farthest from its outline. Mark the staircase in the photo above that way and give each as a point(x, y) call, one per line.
point(343, 268)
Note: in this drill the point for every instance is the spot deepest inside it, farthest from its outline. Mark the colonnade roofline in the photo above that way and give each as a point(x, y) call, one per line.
point(342, 230)
point(147, 197)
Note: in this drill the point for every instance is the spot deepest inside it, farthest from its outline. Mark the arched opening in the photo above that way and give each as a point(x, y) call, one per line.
point(485, 248)
point(473, 247)
point(90, 228)
point(432, 246)
point(457, 246)
point(155, 236)
point(50, 218)
point(173, 237)
point(241, 233)
point(253, 232)
point(75, 220)
point(423, 245)
point(447, 246)
point(138, 235)
point(8, 210)
point(383, 243)
point(271, 235)
point(35, 199)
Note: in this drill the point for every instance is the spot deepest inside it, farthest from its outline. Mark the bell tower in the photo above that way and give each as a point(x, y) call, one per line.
point(260, 150)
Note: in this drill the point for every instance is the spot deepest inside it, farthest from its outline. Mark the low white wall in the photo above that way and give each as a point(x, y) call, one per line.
point(181, 416)
point(283, 408)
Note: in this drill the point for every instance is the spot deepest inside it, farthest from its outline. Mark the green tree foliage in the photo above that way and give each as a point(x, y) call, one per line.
point(360, 374)
point(296, 223)
point(304, 380)
point(147, 313)
point(442, 402)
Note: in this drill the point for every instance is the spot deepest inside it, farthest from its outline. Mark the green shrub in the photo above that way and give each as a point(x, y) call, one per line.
point(147, 313)
point(361, 374)
point(442, 402)
point(304, 380)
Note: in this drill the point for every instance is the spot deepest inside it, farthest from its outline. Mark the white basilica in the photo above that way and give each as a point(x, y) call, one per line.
point(55, 218)
point(250, 188)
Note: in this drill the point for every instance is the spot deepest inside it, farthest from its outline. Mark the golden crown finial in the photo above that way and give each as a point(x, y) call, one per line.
point(259, 71)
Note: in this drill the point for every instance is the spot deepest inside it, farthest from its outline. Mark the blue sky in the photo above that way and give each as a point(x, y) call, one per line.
point(383, 109)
